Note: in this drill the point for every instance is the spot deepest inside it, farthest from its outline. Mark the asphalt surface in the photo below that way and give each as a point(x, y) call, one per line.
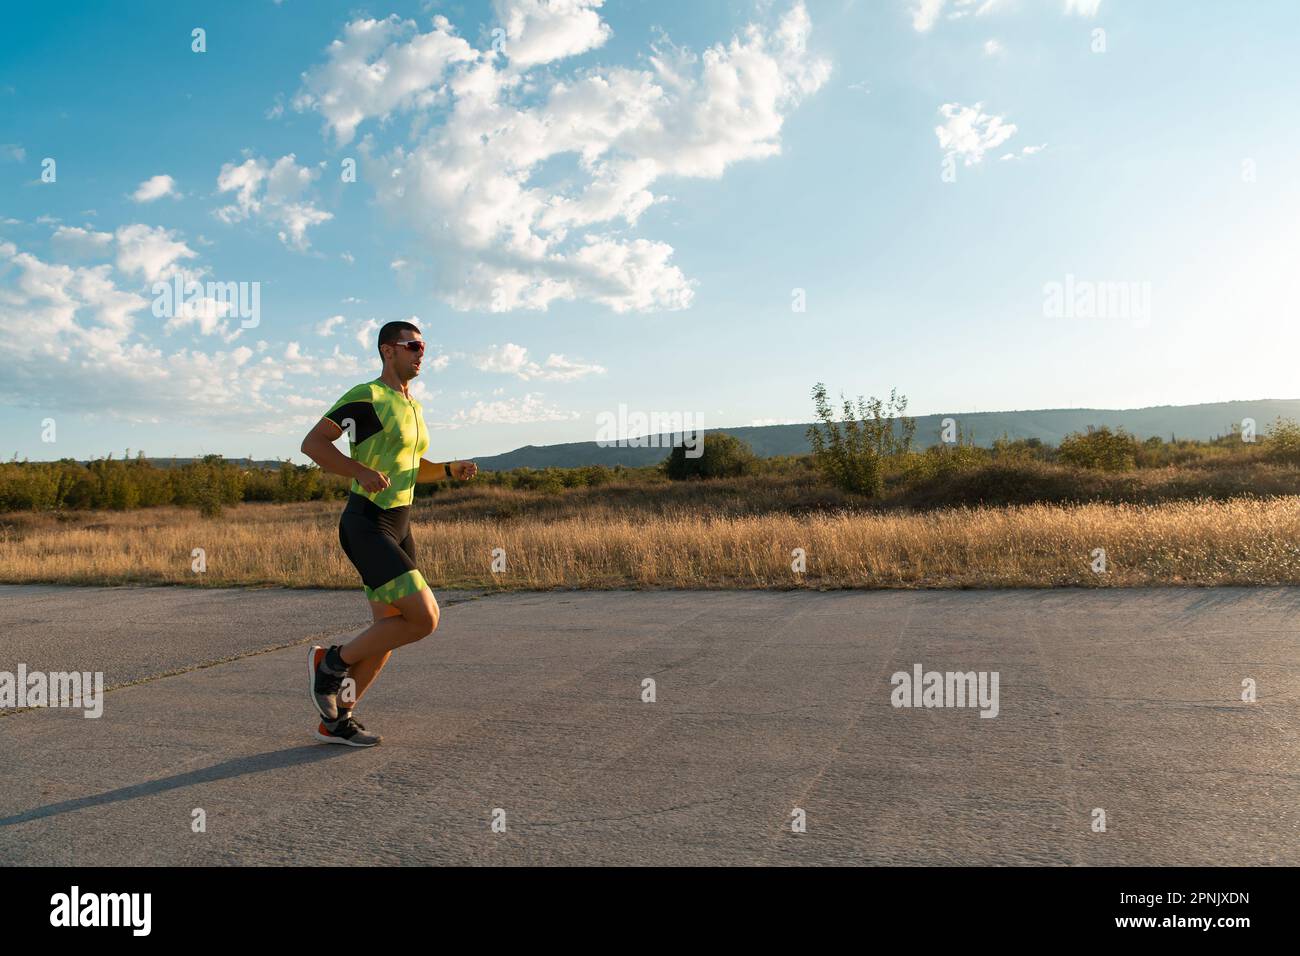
point(529, 708)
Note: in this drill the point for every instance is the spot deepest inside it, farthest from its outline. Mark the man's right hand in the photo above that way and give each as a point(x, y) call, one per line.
point(371, 480)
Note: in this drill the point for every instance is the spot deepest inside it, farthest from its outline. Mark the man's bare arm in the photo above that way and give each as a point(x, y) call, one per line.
point(437, 470)
point(319, 447)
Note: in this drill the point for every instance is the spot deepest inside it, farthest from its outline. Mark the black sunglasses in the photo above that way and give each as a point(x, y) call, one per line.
point(411, 345)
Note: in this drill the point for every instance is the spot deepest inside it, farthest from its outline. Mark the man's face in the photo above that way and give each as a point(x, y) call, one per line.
point(406, 360)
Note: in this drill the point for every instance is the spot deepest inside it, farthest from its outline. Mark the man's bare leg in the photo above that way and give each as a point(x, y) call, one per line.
point(416, 618)
point(364, 672)
point(412, 618)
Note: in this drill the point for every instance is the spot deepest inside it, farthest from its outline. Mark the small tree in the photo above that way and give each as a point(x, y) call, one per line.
point(851, 452)
point(1100, 448)
point(1018, 449)
point(1283, 441)
point(722, 456)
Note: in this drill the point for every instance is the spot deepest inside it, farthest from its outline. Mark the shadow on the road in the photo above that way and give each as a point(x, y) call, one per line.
point(256, 763)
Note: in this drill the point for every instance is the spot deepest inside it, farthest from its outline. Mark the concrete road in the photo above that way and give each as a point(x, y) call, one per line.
point(528, 708)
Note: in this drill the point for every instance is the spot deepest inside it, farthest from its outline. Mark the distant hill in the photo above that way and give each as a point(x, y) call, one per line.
point(1049, 425)
point(248, 463)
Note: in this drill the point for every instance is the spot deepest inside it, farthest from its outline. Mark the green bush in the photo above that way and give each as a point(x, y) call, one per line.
point(852, 452)
point(596, 475)
point(721, 456)
point(298, 482)
point(547, 481)
point(209, 485)
point(1282, 444)
point(1020, 449)
point(1100, 449)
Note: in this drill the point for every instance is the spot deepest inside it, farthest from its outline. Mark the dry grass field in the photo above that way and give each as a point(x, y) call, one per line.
point(1249, 541)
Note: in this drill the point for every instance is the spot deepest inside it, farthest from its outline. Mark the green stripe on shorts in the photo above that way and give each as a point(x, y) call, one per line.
point(412, 582)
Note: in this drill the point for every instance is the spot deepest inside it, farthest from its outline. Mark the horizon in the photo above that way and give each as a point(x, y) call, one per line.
point(993, 200)
point(704, 430)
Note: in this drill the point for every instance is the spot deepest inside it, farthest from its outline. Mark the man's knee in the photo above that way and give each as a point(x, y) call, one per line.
point(422, 620)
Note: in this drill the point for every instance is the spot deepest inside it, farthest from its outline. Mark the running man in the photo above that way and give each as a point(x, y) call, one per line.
point(387, 436)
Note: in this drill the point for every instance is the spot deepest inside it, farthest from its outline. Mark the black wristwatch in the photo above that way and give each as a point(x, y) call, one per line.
point(446, 466)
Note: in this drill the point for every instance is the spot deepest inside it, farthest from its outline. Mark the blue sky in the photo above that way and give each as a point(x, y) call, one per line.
point(604, 205)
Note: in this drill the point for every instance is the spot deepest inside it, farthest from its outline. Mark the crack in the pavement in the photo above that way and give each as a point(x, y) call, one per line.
point(691, 805)
point(203, 665)
point(1070, 785)
point(756, 713)
point(802, 797)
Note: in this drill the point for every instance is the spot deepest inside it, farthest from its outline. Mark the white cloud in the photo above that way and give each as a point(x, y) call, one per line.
point(71, 336)
point(150, 252)
point(496, 239)
point(511, 359)
point(47, 300)
point(336, 365)
point(13, 151)
point(1027, 151)
point(156, 187)
point(377, 67)
point(994, 47)
point(77, 243)
point(368, 334)
point(272, 193)
point(968, 133)
point(204, 313)
point(327, 327)
point(1083, 8)
point(540, 31)
point(517, 411)
point(925, 13)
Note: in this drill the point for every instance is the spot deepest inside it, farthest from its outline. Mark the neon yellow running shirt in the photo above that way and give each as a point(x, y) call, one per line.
point(386, 432)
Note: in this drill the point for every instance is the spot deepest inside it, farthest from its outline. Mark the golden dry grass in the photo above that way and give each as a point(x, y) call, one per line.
point(1242, 541)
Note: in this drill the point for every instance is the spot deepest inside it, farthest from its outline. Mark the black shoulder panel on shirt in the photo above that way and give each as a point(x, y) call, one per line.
point(364, 417)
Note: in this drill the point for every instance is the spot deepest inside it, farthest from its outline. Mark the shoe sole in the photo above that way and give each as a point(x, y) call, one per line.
point(342, 740)
point(311, 682)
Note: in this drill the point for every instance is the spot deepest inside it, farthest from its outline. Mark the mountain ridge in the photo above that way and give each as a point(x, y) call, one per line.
point(1202, 421)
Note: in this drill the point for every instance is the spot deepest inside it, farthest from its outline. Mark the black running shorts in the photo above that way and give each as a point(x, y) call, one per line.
point(378, 543)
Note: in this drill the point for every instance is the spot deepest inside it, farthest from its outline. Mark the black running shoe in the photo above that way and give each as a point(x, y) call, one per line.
point(322, 685)
point(348, 732)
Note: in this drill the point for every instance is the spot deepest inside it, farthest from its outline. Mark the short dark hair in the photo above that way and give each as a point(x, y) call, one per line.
point(392, 331)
